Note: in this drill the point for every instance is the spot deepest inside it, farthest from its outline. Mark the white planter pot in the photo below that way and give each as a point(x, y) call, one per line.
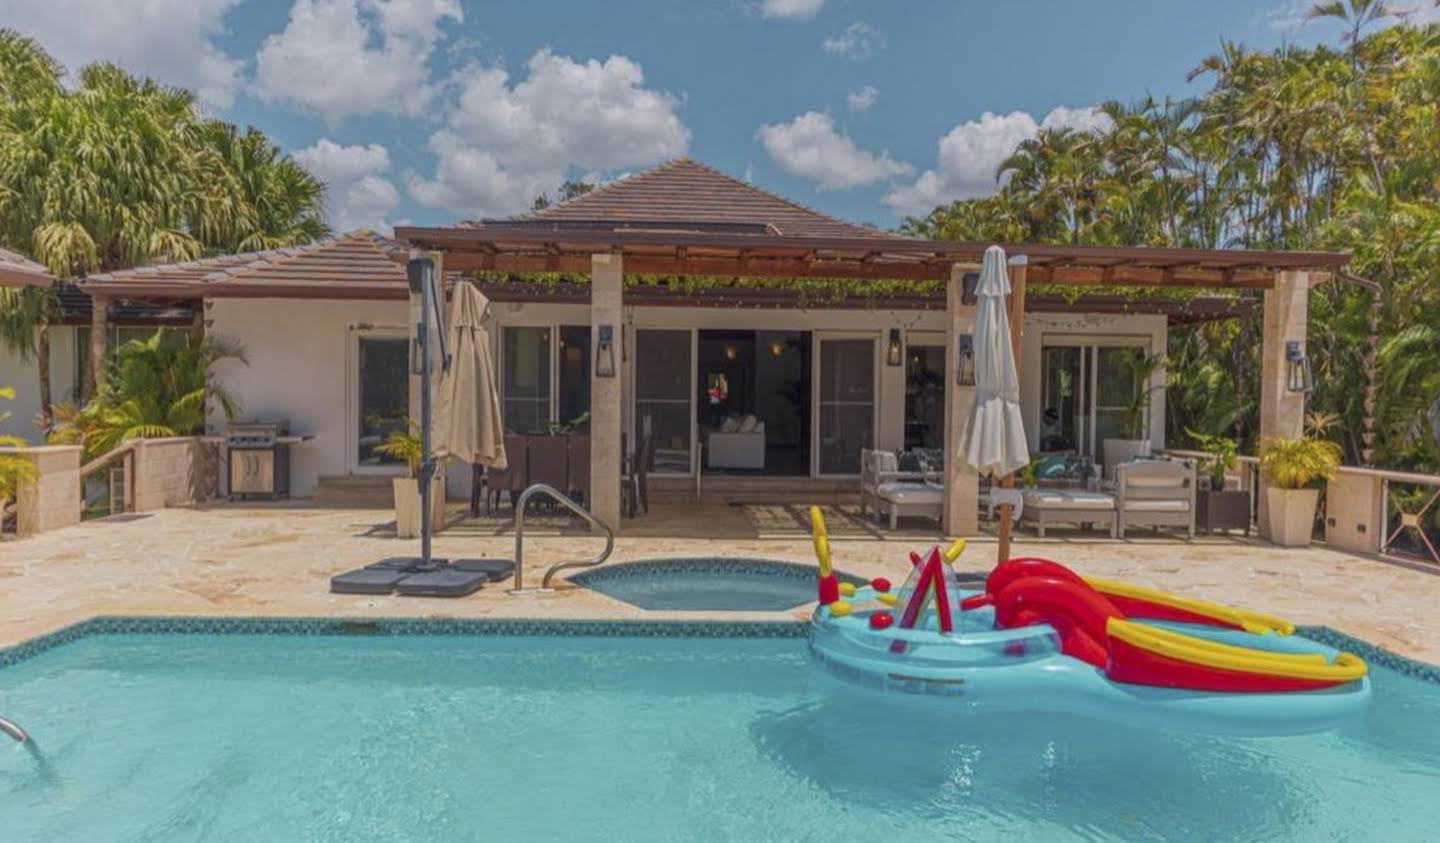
point(407, 506)
point(1290, 514)
point(1116, 451)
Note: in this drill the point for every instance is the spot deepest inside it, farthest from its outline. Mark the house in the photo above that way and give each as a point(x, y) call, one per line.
point(780, 381)
point(69, 335)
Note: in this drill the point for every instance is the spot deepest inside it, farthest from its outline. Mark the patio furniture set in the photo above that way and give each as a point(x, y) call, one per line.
point(562, 461)
point(1145, 492)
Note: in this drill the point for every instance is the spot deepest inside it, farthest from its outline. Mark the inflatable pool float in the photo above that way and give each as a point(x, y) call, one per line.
point(1040, 637)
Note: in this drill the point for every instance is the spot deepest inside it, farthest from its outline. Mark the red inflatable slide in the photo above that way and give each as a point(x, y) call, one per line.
point(1096, 621)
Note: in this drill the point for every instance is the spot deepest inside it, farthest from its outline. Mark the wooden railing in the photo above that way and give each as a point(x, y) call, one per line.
point(121, 499)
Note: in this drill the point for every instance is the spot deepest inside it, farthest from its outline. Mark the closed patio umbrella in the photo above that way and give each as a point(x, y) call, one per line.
point(469, 424)
point(994, 441)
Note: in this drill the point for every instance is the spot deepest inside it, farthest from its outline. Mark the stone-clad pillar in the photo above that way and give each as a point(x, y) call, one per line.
point(1282, 412)
point(961, 506)
point(607, 284)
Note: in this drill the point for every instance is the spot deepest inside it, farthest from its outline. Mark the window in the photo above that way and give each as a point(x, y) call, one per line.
point(924, 396)
point(525, 379)
point(847, 403)
point(574, 380)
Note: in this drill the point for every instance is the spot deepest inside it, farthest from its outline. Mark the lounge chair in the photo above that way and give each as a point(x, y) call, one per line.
point(1155, 493)
point(897, 493)
point(1044, 507)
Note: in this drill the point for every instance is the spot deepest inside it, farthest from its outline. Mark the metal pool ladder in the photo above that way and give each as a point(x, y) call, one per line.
point(11, 728)
point(554, 494)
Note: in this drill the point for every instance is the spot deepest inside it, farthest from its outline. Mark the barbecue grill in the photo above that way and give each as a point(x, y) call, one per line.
point(259, 459)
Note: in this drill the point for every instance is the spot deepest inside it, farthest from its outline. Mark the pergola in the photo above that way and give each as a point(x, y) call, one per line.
point(608, 249)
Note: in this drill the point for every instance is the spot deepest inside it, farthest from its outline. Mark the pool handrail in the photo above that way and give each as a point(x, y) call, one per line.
point(11, 728)
point(565, 501)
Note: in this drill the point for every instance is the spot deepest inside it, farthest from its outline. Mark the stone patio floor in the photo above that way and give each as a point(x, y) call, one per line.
point(260, 560)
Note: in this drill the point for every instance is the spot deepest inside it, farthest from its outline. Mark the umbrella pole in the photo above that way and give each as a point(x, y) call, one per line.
point(427, 464)
point(1017, 327)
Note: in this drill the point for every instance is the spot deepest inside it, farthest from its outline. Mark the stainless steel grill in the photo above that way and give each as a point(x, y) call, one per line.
point(259, 461)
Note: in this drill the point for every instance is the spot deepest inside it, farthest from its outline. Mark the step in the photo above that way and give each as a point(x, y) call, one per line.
point(354, 491)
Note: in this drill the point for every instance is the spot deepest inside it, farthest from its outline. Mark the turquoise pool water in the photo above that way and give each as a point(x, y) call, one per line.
point(156, 738)
point(706, 584)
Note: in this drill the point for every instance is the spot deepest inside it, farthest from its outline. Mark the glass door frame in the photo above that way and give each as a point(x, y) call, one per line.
point(817, 337)
point(632, 388)
point(352, 395)
point(1089, 346)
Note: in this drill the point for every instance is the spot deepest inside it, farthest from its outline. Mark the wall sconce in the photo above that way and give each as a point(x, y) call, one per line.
point(605, 352)
point(969, 284)
point(1299, 377)
point(895, 353)
point(777, 348)
point(731, 352)
point(965, 360)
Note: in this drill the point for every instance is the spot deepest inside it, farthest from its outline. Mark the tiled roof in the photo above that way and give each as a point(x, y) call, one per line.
point(16, 270)
point(683, 193)
point(360, 263)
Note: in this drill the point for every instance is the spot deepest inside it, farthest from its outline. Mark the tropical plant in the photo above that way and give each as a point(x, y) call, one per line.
point(1139, 369)
point(1223, 455)
point(116, 171)
point(158, 387)
point(13, 468)
point(405, 445)
point(1296, 462)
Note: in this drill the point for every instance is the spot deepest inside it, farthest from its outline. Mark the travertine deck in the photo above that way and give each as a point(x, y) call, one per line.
point(276, 561)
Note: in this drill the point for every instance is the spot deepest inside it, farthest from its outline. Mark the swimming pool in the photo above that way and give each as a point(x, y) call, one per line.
point(718, 584)
point(179, 737)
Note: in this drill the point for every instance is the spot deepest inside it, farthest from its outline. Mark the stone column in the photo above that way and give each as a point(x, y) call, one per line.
point(607, 284)
point(99, 342)
point(1282, 412)
point(961, 505)
point(52, 499)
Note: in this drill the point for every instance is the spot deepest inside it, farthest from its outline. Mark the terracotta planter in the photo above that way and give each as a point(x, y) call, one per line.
point(407, 506)
point(1290, 514)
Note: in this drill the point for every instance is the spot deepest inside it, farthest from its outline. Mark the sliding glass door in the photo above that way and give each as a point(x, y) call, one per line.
point(525, 378)
point(663, 389)
point(1088, 391)
point(844, 402)
point(381, 396)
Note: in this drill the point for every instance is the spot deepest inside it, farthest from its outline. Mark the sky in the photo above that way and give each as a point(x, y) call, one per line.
point(433, 111)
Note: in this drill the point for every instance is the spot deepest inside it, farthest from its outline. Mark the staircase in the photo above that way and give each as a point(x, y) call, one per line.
point(354, 491)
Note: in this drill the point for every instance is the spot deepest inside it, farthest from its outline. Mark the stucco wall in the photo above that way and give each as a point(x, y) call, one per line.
point(300, 368)
point(24, 376)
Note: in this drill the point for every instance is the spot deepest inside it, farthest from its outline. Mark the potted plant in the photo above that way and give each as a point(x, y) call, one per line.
point(1133, 438)
point(405, 445)
point(1292, 465)
point(1216, 508)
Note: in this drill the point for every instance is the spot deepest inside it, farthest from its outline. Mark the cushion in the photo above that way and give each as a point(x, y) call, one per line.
point(909, 493)
point(1176, 481)
point(884, 461)
point(908, 461)
point(759, 427)
point(1066, 499)
point(1160, 505)
point(730, 425)
point(747, 424)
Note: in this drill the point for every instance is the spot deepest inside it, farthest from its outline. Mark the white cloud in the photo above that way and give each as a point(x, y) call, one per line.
point(1290, 15)
point(858, 41)
point(358, 195)
point(341, 58)
point(970, 153)
point(793, 9)
point(169, 40)
point(862, 99)
point(502, 144)
point(810, 147)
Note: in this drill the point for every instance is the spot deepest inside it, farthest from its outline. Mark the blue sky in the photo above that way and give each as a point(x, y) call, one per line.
point(435, 110)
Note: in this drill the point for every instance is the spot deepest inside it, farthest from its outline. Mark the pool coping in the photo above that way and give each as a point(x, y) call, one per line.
point(539, 627)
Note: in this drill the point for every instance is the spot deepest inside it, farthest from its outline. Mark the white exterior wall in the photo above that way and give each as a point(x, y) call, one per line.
point(302, 360)
point(25, 377)
point(301, 368)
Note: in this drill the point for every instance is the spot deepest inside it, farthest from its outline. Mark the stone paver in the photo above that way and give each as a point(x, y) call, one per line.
point(276, 561)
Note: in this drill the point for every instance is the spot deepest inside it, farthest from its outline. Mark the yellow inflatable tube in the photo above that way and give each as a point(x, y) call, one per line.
point(1313, 666)
point(1253, 622)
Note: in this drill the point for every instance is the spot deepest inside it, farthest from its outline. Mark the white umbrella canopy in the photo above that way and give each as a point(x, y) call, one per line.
point(995, 438)
point(468, 421)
